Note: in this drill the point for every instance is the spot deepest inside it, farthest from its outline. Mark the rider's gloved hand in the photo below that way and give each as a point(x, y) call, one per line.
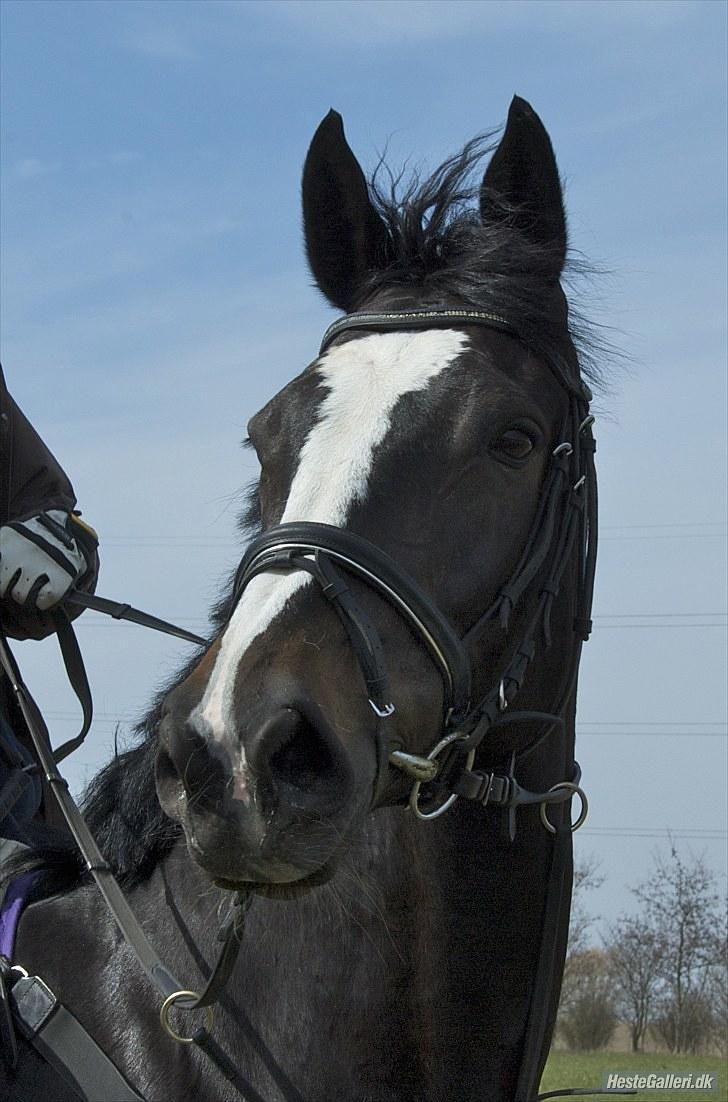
point(41, 558)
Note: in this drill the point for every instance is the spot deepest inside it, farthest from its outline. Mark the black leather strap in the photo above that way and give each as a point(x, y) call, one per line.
point(63, 1042)
point(122, 611)
point(362, 558)
point(386, 321)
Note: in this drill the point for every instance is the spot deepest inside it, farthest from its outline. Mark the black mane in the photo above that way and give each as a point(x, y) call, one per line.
point(444, 250)
point(440, 248)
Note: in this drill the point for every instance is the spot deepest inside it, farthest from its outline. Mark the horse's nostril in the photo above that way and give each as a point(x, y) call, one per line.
point(297, 763)
point(302, 760)
point(186, 767)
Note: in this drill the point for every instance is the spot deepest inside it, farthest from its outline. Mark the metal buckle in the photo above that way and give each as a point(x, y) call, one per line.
point(432, 756)
point(387, 710)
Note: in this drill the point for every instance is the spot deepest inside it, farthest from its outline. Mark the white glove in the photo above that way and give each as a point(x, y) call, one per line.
point(40, 560)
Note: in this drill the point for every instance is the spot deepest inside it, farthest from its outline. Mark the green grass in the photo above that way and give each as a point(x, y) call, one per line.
point(587, 1069)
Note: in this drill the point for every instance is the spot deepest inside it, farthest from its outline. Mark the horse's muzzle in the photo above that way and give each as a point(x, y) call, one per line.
point(276, 814)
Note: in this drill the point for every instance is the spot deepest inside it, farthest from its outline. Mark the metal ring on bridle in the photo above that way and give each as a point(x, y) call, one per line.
point(433, 754)
point(167, 1005)
point(570, 790)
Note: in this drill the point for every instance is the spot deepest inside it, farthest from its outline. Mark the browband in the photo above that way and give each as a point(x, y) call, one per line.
point(440, 319)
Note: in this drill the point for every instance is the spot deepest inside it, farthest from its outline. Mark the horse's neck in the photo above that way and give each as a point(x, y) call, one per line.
point(384, 982)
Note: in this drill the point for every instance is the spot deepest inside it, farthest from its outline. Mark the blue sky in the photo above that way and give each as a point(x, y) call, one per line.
point(155, 294)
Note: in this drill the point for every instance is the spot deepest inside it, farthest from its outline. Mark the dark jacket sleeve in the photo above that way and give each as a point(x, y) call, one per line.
point(32, 481)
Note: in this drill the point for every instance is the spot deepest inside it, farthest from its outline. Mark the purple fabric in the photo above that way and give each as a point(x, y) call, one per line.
point(13, 904)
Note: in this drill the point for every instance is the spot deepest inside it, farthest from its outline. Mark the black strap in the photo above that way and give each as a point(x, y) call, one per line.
point(76, 672)
point(64, 1043)
point(362, 558)
point(122, 611)
point(443, 319)
point(578, 1092)
point(362, 633)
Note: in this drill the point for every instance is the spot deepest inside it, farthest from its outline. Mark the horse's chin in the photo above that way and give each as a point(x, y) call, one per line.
point(277, 876)
point(292, 889)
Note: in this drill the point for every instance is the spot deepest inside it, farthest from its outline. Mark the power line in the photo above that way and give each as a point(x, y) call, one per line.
point(669, 530)
point(580, 723)
point(113, 719)
point(97, 620)
point(660, 627)
point(672, 524)
point(654, 615)
point(657, 734)
point(652, 723)
point(666, 832)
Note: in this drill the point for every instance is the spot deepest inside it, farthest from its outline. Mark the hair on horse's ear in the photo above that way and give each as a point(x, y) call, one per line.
point(522, 184)
point(345, 237)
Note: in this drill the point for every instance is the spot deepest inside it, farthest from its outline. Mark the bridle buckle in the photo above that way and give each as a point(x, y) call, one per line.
point(386, 710)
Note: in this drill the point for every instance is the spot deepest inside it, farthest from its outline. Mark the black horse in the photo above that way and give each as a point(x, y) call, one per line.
point(384, 958)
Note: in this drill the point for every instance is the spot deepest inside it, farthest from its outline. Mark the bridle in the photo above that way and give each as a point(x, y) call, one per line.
point(565, 519)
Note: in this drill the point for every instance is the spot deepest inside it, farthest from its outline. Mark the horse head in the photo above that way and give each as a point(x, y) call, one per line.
point(413, 538)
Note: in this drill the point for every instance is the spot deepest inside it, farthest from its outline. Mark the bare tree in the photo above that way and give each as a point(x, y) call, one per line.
point(587, 878)
point(635, 952)
point(681, 908)
point(718, 990)
point(588, 1016)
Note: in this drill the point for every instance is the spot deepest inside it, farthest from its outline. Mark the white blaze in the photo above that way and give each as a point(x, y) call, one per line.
point(365, 379)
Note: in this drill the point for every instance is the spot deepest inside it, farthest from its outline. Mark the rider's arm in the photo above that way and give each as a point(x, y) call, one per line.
point(33, 484)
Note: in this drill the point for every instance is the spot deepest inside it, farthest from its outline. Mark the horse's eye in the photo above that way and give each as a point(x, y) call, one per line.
point(514, 444)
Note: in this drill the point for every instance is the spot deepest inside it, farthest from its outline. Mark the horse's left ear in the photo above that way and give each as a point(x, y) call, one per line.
point(345, 237)
point(522, 182)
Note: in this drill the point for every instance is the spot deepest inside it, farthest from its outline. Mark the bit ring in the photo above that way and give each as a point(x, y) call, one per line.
point(572, 790)
point(432, 756)
point(167, 1005)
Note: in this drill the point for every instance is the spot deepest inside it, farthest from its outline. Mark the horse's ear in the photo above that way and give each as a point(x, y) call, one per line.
point(522, 183)
point(345, 237)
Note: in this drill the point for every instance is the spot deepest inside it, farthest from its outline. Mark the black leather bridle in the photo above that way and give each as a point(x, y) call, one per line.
point(566, 517)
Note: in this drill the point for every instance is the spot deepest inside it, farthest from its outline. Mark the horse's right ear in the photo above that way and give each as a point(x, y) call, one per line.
point(345, 237)
point(522, 178)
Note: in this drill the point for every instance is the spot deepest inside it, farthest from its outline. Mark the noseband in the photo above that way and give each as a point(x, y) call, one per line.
point(566, 516)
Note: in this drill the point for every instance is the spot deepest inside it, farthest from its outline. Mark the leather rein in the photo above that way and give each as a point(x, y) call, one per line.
point(566, 518)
